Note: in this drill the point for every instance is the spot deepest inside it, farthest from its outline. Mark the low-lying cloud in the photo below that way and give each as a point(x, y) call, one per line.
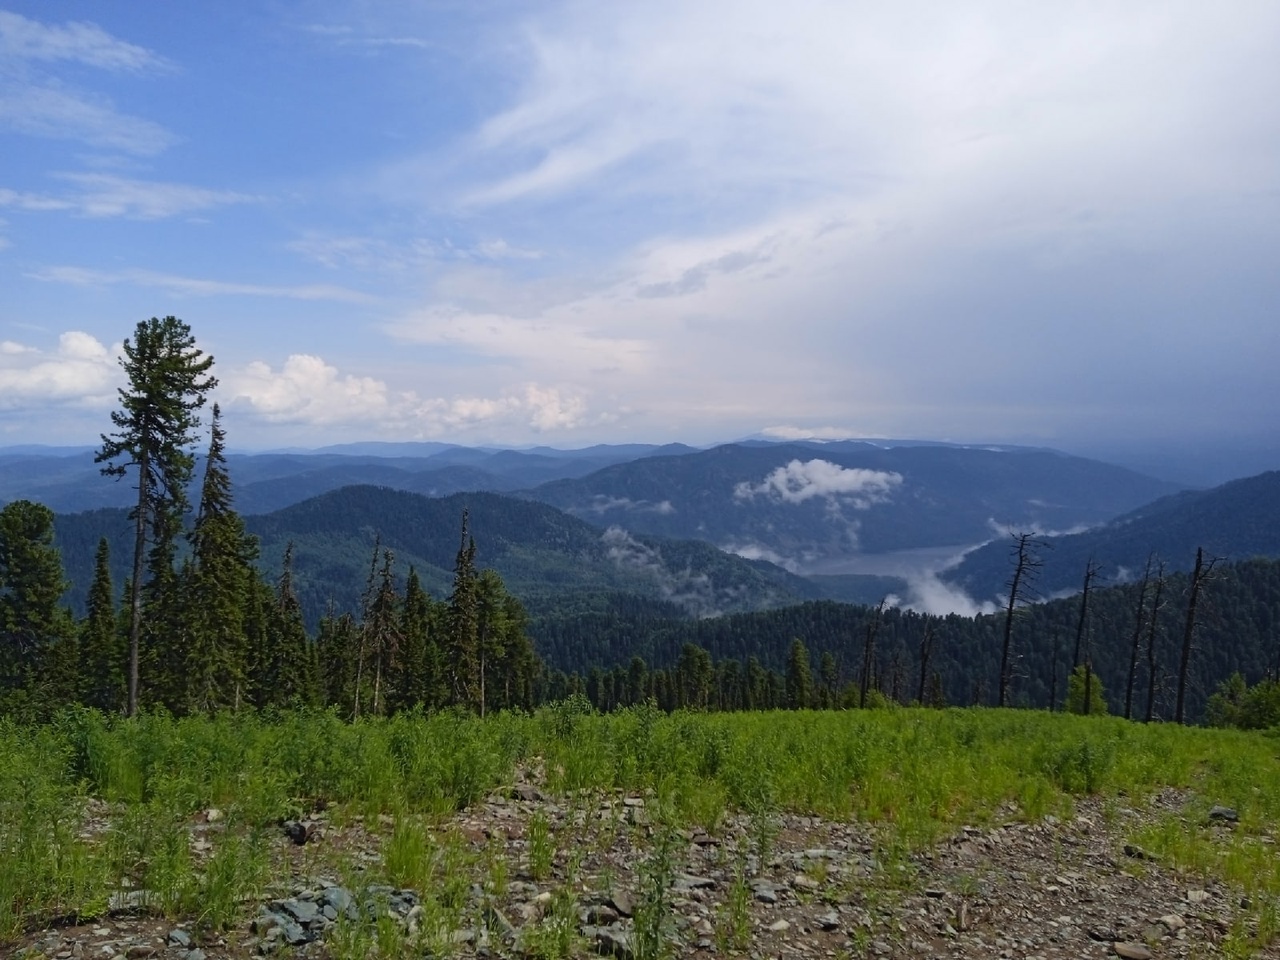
point(692, 591)
point(601, 503)
point(798, 482)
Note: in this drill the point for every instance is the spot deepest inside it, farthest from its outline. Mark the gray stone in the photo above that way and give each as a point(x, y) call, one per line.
point(1130, 950)
point(304, 911)
point(622, 902)
point(1226, 814)
point(179, 938)
point(610, 941)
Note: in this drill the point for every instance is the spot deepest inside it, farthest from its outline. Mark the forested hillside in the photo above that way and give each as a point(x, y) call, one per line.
point(539, 552)
point(806, 502)
point(1235, 521)
point(1237, 629)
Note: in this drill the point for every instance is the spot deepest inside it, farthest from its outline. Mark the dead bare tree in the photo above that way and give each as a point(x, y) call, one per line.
point(868, 653)
point(1138, 618)
point(1021, 591)
point(1199, 576)
point(926, 651)
point(1152, 674)
point(1082, 622)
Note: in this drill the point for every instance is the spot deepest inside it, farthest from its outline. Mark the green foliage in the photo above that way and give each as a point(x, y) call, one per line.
point(168, 379)
point(1084, 692)
point(799, 676)
point(1236, 704)
point(217, 591)
point(34, 630)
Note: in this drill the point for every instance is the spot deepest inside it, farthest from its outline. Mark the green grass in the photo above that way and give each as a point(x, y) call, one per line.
point(914, 775)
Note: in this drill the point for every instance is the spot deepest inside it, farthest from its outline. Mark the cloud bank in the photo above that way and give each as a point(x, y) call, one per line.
point(799, 481)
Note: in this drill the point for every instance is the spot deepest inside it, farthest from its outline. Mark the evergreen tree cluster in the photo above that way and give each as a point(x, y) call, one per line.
point(200, 629)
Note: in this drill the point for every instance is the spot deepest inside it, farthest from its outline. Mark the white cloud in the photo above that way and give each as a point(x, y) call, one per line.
point(104, 195)
point(43, 110)
point(798, 482)
point(693, 591)
point(80, 372)
point(756, 551)
point(565, 337)
point(24, 39)
point(195, 286)
point(787, 432)
point(928, 594)
point(309, 392)
point(601, 504)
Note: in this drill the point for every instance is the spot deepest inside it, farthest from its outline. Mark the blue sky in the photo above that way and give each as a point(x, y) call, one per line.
point(566, 223)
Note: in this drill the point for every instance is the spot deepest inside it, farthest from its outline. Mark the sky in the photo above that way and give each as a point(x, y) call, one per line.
point(564, 223)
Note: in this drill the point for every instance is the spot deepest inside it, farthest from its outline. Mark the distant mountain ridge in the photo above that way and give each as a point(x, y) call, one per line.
point(814, 507)
point(1235, 521)
point(538, 550)
point(802, 503)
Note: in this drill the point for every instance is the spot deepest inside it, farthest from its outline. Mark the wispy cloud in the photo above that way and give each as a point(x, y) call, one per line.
point(36, 101)
point(45, 110)
point(197, 287)
point(101, 195)
point(81, 42)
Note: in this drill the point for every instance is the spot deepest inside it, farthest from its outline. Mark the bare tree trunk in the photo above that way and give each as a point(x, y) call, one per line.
point(1138, 617)
point(1053, 674)
point(926, 651)
point(1198, 578)
point(1151, 643)
point(1088, 686)
point(1019, 588)
point(135, 586)
point(868, 654)
point(1090, 574)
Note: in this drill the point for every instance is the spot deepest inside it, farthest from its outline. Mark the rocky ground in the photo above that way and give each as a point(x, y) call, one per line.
point(524, 874)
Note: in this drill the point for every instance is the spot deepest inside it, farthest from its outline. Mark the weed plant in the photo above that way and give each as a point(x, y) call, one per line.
point(912, 774)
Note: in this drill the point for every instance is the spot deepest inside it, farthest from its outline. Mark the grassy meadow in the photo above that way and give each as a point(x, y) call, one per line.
point(91, 806)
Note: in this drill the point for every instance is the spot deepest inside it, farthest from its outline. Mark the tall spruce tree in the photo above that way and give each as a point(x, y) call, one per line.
point(218, 588)
point(464, 623)
point(155, 426)
point(423, 683)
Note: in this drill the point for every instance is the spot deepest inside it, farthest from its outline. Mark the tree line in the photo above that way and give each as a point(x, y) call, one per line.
point(200, 629)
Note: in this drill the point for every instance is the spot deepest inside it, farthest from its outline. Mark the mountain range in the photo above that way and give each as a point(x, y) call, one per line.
point(1236, 521)
point(744, 526)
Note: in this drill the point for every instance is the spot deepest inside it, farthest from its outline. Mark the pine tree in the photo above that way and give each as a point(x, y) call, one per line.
point(218, 588)
point(102, 656)
point(31, 583)
point(168, 379)
point(165, 630)
point(422, 666)
point(381, 638)
point(799, 680)
point(297, 668)
point(1084, 692)
point(464, 624)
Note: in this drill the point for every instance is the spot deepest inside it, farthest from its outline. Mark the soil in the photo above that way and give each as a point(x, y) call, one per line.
point(1071, 887)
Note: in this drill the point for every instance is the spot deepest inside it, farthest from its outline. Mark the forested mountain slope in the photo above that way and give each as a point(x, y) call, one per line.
point(1235, 521)
point(1238, 629)
point(538, 550)
point(802, 502)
